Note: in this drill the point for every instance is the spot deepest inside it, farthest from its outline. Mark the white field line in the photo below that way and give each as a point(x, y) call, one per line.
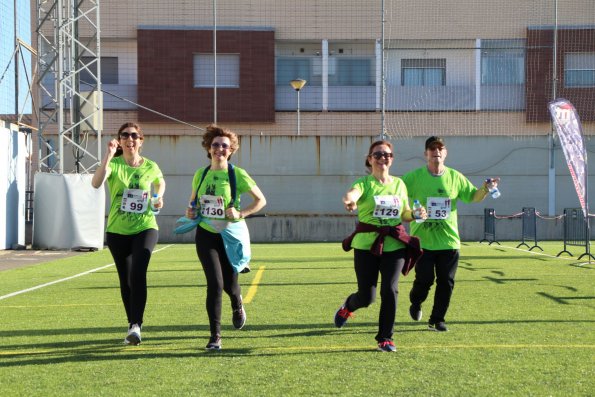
point(66, 278)
point(535, 253)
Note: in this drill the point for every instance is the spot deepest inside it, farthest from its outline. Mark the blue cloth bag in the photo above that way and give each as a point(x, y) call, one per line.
point(236, 240)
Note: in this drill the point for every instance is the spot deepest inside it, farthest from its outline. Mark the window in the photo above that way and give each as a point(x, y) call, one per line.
point(228, 70)
point(502, 62)
point(579, 69)
point(423, 72)
point(350, 72)
point(109, 70)
point(293, 68)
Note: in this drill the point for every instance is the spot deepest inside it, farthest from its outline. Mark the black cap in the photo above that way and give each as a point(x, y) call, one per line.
point(434, 139)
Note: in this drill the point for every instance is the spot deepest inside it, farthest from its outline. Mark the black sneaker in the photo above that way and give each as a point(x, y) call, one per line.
point(440, 326)
point(245, 270)
point(238, 317)
point(387, 346)
point(214, 343)
point(415, 312)
point(341, 316)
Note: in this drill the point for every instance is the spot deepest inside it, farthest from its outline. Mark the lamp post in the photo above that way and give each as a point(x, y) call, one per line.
point(297, 85)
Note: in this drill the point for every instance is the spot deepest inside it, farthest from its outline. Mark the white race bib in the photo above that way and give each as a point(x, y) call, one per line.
point(438, 207)
point(212, 206)
point(387, 207)
point(135, 200)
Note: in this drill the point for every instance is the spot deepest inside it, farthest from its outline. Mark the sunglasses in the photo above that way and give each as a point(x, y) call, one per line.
point(126, 135)
point(218, 145)
point(379, 155)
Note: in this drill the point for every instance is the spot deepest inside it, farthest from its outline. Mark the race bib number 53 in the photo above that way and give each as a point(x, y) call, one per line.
point(438, 207)
point(387, 207)
point(134, 200)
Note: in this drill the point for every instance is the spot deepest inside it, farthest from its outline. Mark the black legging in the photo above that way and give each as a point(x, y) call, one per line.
point(367, 267)
point(219, 274)
point(440, 265)
point(132, 254)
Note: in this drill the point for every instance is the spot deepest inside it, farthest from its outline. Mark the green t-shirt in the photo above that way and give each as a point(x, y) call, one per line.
point(135, 215)
point(439, 195)
point(216, 183)
point(374, 209)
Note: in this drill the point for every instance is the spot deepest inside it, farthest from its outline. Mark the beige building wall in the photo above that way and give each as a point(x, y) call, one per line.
point(349, 19)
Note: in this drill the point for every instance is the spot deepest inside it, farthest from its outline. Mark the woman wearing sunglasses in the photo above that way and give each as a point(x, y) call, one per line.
point(132, 230)
point(212, 199)
point(381, 244)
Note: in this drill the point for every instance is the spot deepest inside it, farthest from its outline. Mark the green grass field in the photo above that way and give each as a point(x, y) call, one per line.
point(521, 323)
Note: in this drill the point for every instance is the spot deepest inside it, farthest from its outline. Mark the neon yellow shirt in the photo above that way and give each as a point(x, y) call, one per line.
point(370, 211)
point(439, 195)
point(216, 183)
point(122, 177)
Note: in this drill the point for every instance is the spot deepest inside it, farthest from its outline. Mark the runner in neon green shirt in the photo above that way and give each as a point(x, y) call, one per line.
point(213, 203)
point(132, 230)
point(381, 201)
point(438, 188)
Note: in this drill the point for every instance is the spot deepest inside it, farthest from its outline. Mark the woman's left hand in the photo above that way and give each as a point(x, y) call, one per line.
point(232, 213)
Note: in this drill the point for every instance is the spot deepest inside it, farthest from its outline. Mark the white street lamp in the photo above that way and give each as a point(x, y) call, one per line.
point(297, 85)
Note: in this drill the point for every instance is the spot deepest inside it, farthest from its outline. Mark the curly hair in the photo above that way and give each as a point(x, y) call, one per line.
point(214, 131)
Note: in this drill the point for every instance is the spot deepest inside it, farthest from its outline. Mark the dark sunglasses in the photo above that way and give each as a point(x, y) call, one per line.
point(126, 135)
point(379, 155)
point(218, 145)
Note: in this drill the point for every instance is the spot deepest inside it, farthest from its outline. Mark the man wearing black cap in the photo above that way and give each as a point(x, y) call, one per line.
point(438, 188)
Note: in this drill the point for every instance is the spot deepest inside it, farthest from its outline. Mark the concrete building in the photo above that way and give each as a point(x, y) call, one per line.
point(480, 73)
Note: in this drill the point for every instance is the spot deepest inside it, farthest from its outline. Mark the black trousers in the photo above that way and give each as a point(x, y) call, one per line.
point(219, 274)
point(132, 254)
point(367, 268)
point(442, 266)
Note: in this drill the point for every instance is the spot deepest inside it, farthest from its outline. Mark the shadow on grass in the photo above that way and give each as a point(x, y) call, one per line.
point(161, 347)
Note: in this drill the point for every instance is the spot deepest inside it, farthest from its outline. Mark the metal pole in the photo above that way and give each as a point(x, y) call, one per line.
point(298, 112)
point(382, 78)
point(16, 64)
point(552, 143)
point(215, 61)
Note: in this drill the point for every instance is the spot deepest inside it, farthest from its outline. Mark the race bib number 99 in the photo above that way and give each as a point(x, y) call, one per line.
point(134, 200)
point(438, 207)
point(387, 207)
point(212, 206)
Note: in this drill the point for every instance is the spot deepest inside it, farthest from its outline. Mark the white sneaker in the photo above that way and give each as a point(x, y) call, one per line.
point(133, 337)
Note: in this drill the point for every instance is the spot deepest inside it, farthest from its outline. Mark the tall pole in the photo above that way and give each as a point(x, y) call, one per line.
point(383, 94)
point(298, 112)
point(552, 143)
point(215, 61)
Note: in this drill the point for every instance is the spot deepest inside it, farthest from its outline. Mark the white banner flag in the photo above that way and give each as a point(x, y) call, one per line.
point(568, 127)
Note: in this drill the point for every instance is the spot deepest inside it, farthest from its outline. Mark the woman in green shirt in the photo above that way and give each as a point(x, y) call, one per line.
point(380, 242)
point(132, 230)
point(211, 199)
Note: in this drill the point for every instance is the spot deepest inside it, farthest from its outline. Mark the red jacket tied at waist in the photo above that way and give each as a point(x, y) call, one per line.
point(412, 244)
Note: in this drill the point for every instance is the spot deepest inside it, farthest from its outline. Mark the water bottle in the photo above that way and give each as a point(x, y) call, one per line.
point(416, 209)
point(155, 200)
point(494, 192)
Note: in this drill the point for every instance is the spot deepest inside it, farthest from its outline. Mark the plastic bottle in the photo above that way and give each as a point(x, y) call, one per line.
point(494, 192)
point(416, 208)
point(155, 200)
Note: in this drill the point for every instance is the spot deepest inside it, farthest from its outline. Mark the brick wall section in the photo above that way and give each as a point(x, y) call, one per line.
point(166, 82)
point(539, 72)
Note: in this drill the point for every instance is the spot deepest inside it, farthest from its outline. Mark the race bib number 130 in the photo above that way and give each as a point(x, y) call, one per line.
point(212, 206)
